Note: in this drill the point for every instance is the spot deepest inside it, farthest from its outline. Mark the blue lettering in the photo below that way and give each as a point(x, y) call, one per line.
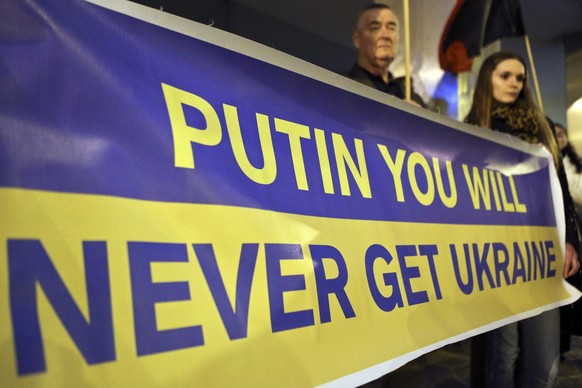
point(29, 265)
point(481, 266)
point(501, 265)
point(408, 273)
point(327, 286)
point(466, 288)
point(387, 304)
point(146, 294)
point(539, 260)
point(529, 265)
point(518, 264)
point(235, 320)
point(430, 251)
point(279, 284)
point(551, 258)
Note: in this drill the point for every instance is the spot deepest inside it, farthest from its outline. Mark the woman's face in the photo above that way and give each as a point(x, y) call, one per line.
point(508, 79)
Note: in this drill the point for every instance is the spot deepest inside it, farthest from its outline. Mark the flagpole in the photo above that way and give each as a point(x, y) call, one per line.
point(534, 73)
point(407, 50)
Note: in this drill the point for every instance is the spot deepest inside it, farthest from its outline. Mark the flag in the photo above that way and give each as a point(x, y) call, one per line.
point(473, 24)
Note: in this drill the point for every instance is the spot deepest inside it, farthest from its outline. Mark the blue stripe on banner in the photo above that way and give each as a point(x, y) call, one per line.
point(83, 110)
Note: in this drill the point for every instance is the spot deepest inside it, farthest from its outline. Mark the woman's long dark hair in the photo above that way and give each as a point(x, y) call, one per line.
point(480, 113)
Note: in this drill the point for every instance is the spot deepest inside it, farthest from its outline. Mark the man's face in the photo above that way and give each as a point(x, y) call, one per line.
point(376, 39)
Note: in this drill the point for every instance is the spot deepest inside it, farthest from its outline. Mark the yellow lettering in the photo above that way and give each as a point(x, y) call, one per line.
point(417, 159)
point(395, 168)
point(183, 134)
point(295, 132)
point(450, 201)
point(507, 206)
point(519, 207)
point(478, 188)
point(495, 190)
point(323, 156)
point(343, 157)
point(265, 175)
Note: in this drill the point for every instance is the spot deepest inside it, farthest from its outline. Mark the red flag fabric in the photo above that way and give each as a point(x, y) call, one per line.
point(473, 24)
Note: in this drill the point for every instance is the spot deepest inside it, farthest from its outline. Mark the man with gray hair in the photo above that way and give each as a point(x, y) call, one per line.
point(376, 36)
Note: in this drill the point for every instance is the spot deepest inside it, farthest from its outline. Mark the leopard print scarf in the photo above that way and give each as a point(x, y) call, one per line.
point(521, 120)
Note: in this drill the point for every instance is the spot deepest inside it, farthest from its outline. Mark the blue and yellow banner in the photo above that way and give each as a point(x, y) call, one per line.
point(180, 206)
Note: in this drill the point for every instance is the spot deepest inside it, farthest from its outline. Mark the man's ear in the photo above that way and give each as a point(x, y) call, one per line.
point(356, 39)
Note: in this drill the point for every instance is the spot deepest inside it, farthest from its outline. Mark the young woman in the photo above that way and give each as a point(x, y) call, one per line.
point(525, 353)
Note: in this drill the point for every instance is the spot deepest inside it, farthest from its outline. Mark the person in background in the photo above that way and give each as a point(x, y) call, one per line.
point(524, 353)
point(572, 164)
point(376, 36)
point(571, 315)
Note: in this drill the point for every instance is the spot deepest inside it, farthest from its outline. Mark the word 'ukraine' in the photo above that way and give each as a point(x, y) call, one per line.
point(396, 278)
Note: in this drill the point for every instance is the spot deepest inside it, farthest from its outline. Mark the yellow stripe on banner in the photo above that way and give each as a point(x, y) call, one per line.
point(415, 260)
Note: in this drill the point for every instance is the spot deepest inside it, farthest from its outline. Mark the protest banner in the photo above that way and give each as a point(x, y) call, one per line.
point(181, 206)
